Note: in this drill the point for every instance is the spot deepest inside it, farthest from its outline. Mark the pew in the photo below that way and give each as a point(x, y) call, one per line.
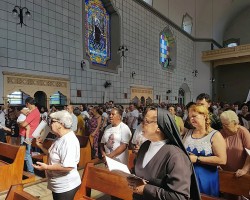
point(206, 197)
point(42, 157)
point(113, 184)
point(104, 181)
point(11, 165)
point(16, 193)
point(85, 151)
point(131, 158)
point(230, 184)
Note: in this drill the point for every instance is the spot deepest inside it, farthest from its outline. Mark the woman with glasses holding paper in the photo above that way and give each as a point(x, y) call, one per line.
point(162, 162)
point(63, 157)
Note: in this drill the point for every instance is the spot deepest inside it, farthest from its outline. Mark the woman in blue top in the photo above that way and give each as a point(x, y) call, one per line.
point(207, 150)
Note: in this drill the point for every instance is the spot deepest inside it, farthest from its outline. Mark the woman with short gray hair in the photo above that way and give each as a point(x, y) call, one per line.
point(63, 157)
point(237, 139)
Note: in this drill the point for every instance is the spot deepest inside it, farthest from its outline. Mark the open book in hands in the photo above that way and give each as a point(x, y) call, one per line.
point(122, 169)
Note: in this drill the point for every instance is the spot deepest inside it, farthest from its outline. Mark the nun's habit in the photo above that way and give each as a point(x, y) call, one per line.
point(169, 173)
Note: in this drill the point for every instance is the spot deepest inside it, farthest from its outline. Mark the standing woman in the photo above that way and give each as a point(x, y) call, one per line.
point(94, 127)
point(237, 139)
point(245, 114)
point(207, 149)
point(63, 157)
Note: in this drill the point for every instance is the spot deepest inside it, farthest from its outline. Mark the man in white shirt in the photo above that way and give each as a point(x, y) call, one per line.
point(2, 124)
point(132, 117)
point(70, 109)
point(116, 137)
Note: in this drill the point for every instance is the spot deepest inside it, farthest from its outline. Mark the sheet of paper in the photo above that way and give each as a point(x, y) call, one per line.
point(248, 151)
point(114, 165)
point(121, 169)
point(38, 130)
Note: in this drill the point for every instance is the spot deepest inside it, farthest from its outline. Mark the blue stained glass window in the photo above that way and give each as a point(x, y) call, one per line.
point(58, 99)
point(97, 38)
point(164, 50)
point(55, 99)
point(17, 98)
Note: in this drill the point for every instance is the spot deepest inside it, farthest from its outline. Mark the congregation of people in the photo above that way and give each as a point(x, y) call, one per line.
point(178, 149)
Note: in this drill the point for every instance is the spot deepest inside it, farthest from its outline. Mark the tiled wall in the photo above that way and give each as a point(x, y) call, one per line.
point(51, 44)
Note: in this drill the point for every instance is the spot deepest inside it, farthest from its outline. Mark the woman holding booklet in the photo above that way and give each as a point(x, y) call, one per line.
point(163, 162)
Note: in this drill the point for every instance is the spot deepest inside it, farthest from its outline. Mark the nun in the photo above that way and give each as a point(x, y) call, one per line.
point(162, 162)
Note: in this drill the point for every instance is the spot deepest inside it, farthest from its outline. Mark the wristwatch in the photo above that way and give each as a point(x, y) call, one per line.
point(198, 159)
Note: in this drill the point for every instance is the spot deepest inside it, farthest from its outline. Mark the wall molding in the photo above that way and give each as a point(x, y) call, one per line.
point(229, 55)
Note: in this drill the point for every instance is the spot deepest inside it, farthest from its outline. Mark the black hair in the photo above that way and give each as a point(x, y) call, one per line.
point(170, 105)
point(77, 111)
point(189, 104)
point(244, 104)
point(30, 100)
point(204, 96)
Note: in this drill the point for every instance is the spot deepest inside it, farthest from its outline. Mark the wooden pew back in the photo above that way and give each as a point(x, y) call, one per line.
point(113, 184)
point(8, 151)
point(104, 181)
point(85, 151)
point(11, 165)
point(41, 157)
point(16, 193)
point(230, 184)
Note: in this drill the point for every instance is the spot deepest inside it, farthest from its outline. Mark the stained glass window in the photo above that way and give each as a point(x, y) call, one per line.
point(164, 50)
point(17, 98)
point(58, 99)
point(97, 25)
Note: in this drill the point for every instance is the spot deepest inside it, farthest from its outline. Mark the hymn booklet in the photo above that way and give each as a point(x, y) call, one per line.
point(248, 151)
point(120, 168)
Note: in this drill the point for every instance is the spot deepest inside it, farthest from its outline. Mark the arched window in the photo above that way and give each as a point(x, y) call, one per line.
point(231, 42)
point(97, 24)
point(181, 96)
point(58, 99)
point(17, 98)
point(187, 23)
point(135, 100)
point(164, 50)
point(167, 49)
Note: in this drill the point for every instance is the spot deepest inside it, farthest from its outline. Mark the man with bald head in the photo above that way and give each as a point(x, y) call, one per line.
point(70, 109)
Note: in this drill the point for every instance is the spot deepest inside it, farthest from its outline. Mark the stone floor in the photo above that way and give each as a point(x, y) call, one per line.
point(39, 189)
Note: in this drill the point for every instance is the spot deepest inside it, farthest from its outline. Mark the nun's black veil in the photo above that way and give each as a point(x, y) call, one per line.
point(168, 127)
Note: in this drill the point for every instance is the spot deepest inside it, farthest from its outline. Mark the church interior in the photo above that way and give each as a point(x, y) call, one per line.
point(124, 50)
point(92, 52)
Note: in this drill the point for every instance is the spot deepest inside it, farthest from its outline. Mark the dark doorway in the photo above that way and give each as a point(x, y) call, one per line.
point(41, 99)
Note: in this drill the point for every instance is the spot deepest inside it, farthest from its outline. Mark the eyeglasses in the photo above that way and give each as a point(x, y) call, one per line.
point(52, 121)
point(146, 122)
point(226, 125)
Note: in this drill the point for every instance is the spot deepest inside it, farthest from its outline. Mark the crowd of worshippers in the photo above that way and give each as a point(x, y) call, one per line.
point(211, 136)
